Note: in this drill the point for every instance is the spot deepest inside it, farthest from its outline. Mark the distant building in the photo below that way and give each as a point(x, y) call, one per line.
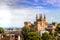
point(12, 35)
point(27, 24)
point(51, 27)
point(41, 25)
point(7, 37)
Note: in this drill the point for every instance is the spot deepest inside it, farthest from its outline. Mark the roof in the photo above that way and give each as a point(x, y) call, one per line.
point(15, 32)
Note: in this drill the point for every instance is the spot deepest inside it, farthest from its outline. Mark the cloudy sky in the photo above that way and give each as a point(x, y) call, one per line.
point(13, 13)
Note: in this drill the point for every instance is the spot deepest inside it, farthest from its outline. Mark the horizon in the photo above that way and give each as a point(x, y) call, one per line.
point(13, 13)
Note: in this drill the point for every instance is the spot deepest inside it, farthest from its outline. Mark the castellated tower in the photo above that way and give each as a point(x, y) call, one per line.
point(40, 23)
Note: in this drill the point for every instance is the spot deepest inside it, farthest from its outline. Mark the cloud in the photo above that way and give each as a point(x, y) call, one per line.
point(16, 17)
point(5, 15)
point(52, 2)
point(10, 1)
point(19, 16)
point(18, 3)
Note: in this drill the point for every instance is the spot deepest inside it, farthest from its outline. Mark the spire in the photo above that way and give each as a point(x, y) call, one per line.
point(44, 17)
point(36, 16)
point(40, 16)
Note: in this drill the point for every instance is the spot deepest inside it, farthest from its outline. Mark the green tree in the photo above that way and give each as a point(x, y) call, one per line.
point(25, 31)
point(58, 38)
point(46, 36)
point(33, 36)
point(54, 38)
point(21, 37)
point(58, 29)
point(30, 34)
point(32, 30)
point(1, 30)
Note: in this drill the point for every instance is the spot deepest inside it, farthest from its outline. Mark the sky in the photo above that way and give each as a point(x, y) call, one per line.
point(13, 13)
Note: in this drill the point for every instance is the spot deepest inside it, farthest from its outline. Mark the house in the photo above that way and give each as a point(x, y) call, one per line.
point(12, 35)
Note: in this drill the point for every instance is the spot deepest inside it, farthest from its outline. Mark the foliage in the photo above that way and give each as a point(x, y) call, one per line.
point(33, 36)
point(32, 30)
point(21, 37)
point(1, 30)
point(58, 38)
point(30, 34)
point(54, 38)
point(10, 29)
point(58, 28)
point(46, 36)
point(25, 31)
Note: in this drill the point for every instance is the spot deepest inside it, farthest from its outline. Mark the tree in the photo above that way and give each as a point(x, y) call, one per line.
point(58, 29)
point(46, 36)
point(54, 38)
point(32, 30)
point(30, 34)
point(10, 29)
point(21, 37)
point(25, 31)
point(1, 30)
point(33, 36)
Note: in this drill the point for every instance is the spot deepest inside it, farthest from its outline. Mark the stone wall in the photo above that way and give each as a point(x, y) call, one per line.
point(7, 37)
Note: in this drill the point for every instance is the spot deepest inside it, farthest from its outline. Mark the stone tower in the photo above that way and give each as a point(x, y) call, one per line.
point(40, 22)
point(36, 17)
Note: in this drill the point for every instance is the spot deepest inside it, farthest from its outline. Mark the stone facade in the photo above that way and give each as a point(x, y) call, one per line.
point(27, 23)
point(51, 27)
point(7, 37)
point(11, 35)
point(40, 22)
point(41, 25)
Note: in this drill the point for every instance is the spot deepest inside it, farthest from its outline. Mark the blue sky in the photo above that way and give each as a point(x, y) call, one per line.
point(13, 13)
